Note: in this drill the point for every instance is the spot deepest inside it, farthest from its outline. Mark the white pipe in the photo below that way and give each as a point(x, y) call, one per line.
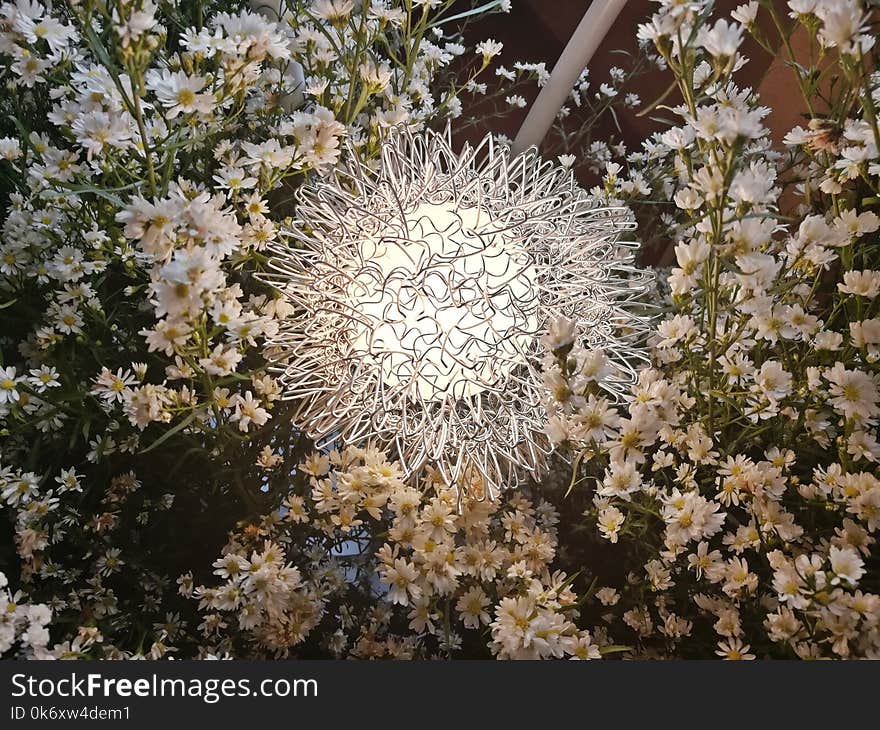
point(592, 29)
point(294, 79)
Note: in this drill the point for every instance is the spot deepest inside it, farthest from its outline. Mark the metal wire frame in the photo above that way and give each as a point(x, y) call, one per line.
point(368, 361)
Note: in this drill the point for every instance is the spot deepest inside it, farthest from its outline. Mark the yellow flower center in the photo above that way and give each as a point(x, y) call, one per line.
point(185, 97)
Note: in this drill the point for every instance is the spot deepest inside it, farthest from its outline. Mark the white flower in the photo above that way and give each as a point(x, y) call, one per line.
point(96, 129)
point(385, 14)
point(561, 334)
point(734, 649)
point(333, 11)
point(679, 138)
point(853, 392)
point(248, 411)
point(746, 13)
point(471, 606)
point(145, 405)
point(675, 329)
point(846, 565)
point(582, 647)
point(850, 223)
point(401, 579)
point(488, 49)
point(376, 78)
point(802, 7)
point(19, 489)
point(608, 596)
point(69, 481)
point(8, 382)
point(43, 27)
point(827, 340)
point(866, 334)
point(621, 479)
point(610, 521)
point(753, 184)
point(773, 381)
point(180, 93)
point(688, 199)
point(222, 361)
point(722, 40)
point(841, 23)
point(10, 148)
point(862, 283)
point(862, 445)
point(113, 387)
point(234, 179)
point(138, 22)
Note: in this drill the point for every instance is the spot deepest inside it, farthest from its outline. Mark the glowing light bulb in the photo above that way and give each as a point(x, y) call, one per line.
point(448, 309)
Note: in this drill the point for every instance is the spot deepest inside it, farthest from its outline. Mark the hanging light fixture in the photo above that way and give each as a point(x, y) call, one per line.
point(421, 291)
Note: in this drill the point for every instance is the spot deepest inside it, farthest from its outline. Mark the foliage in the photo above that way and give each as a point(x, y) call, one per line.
point(158, 500)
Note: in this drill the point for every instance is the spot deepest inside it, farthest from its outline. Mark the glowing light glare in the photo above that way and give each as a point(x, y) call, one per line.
point(421, 290)
point(436, 305)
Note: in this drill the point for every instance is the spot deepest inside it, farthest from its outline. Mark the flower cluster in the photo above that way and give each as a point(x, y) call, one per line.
point(442, 575)
point(746, 455)
point(22, 622)
point(152, 159)
point(396, 83)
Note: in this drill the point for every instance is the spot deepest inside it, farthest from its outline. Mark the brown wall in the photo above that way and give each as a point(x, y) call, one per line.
point(537, 30)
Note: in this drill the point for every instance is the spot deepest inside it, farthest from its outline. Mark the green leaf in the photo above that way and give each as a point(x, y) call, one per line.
point(168, 434)
point(100, 51)
point(614, 648)
point(102, 193)
point(25, 135)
